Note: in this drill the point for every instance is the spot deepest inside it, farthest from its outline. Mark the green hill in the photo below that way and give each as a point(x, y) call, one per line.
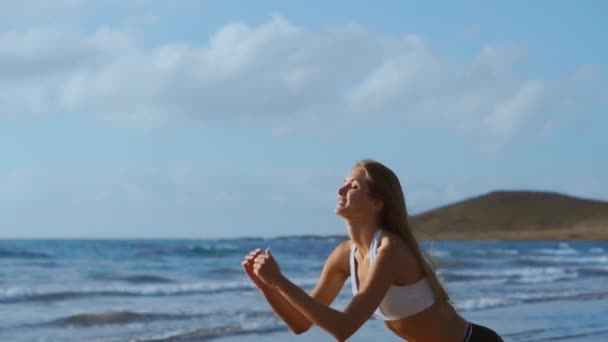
point(516, 215)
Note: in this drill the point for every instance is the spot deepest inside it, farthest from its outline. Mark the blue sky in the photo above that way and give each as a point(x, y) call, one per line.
point(205, 119)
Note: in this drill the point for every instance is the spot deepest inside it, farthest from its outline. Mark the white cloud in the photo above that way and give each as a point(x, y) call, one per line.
point(512, 113)
point(577, 101)
point(276, 75)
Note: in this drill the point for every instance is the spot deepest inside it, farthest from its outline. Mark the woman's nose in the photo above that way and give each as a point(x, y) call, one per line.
point(342, 190)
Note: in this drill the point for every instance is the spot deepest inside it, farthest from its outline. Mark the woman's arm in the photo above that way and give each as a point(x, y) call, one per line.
point(340, 324)
point(327, 289)
point(295, 320)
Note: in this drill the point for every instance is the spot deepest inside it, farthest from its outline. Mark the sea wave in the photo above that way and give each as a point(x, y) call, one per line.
point(330, 238)
point(557, 251)
point(578, 335)
point(561, 260)
point(517, 298)
point(454, 263)
point(496, 252)
point(11, 295)
point(519, 335)
point(438, 253)
point(543, 278)
point(19, 295)
point(525, 275)
point(119, 317)
point(211, 333)
point(210, 250)
point(22, 254)
point(132, 278)
point(224, 271)
point(504, 251)
point(243, 318)
point(484, 303)
point(197, 250)
point(593, 271)
point(456, 276)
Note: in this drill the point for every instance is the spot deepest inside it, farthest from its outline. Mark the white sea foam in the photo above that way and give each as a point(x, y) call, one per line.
point(10, 292)
point(438, 253)
point(545, 278)
point(515, 298)
point(58, 292)
point(505, 251)
point(513, 275)
point(557, 251)
point(482, 303)
point(561, 259)
point(512, 272)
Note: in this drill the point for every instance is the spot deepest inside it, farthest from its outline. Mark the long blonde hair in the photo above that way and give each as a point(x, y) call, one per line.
point(384, 185)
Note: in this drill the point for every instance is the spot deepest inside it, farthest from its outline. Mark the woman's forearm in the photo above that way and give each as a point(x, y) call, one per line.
point(335, 322)
point(294, 319)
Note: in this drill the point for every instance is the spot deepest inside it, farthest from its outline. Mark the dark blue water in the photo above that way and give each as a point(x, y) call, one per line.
point(194, 290)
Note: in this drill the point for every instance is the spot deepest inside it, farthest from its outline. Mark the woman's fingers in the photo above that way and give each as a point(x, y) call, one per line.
point(253, 254)
point(260, 259)
point(254, 257)
point(249, 258)
point(255, 251)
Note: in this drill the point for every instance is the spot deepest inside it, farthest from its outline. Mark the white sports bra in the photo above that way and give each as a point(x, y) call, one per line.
point(399, 301)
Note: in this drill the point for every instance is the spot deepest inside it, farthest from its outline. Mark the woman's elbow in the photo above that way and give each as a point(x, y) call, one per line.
point(301, 329)
point(343, 335)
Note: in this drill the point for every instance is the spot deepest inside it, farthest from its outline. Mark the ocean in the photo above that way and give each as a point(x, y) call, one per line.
point(195, 290)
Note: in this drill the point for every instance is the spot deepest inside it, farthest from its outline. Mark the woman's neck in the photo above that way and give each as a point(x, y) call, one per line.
point(361, 232)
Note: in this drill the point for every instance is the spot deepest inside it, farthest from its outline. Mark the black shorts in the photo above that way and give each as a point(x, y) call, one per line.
point(479, 333)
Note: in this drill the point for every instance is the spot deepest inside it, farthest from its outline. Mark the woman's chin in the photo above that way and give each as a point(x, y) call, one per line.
point(340, 211)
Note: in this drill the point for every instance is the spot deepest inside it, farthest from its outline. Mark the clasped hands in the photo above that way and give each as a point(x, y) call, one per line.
point(262, 268)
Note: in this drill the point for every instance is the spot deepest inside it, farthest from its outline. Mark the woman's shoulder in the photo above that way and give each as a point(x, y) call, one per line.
point(338, 260)
point(344, 248)
point(393, 244)
point(390, 241)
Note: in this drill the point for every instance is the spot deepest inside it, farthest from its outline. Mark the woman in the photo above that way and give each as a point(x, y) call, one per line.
point(390, 275)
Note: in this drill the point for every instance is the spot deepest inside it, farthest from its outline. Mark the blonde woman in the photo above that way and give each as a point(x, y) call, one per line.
point(390, 275)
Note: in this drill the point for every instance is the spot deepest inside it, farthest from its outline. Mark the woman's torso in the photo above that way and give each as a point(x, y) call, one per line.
point(437, 322)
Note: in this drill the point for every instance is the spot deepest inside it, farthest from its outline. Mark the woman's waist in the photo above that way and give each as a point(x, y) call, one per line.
point(440, 322)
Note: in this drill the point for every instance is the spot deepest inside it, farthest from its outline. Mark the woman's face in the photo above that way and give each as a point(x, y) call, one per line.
point(353, 196)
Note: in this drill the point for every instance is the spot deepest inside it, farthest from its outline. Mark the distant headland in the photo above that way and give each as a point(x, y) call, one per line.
point(516, 215)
